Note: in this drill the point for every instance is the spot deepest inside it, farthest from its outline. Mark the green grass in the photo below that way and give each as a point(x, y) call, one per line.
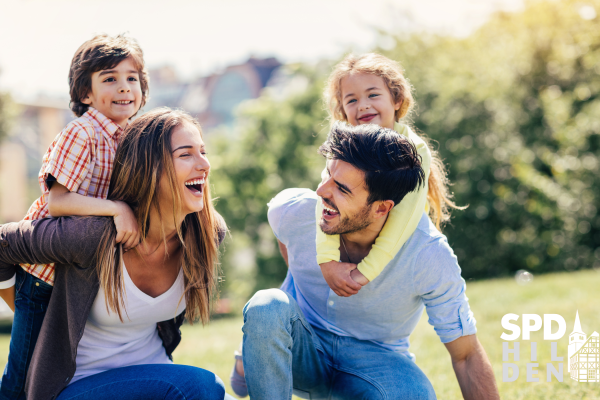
point(212, 347)
point(562, 294)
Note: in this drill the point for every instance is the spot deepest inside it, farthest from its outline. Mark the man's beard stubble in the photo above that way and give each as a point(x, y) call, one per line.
point(351, 224)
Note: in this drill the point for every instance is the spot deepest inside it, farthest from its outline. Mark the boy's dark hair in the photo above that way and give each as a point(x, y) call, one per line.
point(390, 161)
point(97, 54)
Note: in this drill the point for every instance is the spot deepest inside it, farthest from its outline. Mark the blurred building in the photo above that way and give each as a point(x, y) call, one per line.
point(35, 127)
point(212, 99)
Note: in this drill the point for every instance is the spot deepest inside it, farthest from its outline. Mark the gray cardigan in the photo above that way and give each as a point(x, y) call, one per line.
point(71, 243)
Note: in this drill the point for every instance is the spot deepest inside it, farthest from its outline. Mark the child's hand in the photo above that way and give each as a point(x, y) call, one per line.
point(128, 232)
point(358, 277)
point(337, 276)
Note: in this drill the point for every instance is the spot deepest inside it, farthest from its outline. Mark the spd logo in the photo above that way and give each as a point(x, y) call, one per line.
point(584, 352)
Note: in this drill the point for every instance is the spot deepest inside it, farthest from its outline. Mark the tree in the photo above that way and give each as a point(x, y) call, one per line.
point(5, 114)
point(276, 148)
point(513, 109)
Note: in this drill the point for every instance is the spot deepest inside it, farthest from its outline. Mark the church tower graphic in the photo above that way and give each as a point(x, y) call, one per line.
point(584, 358)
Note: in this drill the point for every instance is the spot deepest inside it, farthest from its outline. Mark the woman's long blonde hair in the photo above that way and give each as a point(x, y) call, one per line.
point(391, 72)
point(144, 154)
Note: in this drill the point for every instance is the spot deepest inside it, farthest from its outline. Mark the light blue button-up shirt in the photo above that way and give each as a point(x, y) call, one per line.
point(423, 275)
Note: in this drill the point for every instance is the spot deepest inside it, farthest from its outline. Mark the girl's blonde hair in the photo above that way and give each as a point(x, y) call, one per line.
point(392, 74)
point(144, 154)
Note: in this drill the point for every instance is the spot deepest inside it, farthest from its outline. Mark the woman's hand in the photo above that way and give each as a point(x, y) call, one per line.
point(128, 232)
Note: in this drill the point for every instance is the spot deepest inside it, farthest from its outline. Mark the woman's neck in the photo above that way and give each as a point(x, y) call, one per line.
point(155, 263)
point(158, 228)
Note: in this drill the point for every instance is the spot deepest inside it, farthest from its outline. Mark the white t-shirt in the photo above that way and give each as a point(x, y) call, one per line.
point(108, 343)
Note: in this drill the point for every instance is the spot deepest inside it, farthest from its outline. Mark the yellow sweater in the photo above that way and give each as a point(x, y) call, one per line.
point(400, 225)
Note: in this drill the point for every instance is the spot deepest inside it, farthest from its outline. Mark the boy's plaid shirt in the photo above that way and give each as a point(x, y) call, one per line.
point(81, 159)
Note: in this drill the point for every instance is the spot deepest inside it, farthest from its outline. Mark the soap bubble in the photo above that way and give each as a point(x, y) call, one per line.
point(523, 277)
point(587, 12)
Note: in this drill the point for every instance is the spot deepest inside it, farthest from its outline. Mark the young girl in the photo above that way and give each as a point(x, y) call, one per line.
point(371, 89)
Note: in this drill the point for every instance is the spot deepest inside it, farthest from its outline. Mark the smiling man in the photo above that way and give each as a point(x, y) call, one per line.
point(306, 340)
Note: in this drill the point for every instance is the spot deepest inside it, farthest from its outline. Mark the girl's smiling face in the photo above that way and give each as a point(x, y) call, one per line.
point(366, 99)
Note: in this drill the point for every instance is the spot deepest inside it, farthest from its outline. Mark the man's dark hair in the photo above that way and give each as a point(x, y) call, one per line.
point(97, 54)
point(389, 160)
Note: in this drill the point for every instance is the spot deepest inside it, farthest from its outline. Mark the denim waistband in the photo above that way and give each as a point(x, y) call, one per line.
point(31, 287)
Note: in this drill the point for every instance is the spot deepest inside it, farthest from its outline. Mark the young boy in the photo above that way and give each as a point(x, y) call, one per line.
point(108, 85)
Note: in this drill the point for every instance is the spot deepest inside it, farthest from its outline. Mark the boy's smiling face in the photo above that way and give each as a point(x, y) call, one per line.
point(116, 92)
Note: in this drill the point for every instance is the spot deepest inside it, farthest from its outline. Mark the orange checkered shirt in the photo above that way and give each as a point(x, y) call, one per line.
point(81, 159)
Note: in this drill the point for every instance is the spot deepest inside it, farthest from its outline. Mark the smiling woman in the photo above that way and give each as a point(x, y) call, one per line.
point(161, 153)
point(115, 316)
point(190, 164)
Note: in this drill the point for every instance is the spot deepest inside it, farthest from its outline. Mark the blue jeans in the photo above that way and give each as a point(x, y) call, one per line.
point(31, 302)
point(148, 382)
point(284, 354)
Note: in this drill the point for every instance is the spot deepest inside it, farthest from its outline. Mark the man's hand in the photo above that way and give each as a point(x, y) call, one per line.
point(128, 232)
point(8, 295)
point(337, 276)
point(473, 369)
point(283, 251)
